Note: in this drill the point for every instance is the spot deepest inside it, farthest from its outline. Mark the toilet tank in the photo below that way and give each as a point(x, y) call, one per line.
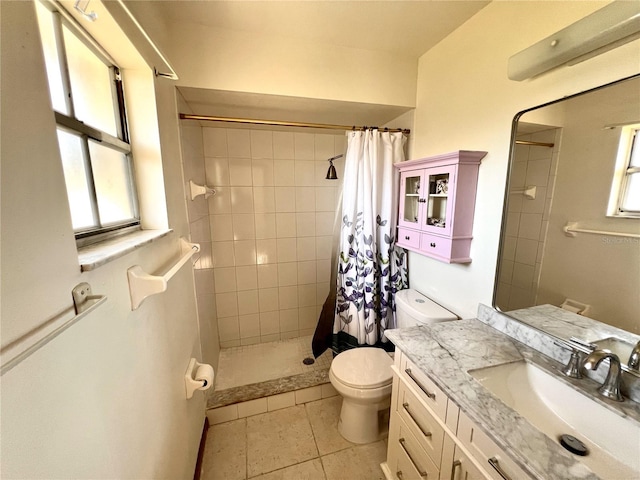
point(413, 308)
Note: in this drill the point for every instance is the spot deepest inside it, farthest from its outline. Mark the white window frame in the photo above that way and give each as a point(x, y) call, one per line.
point(69, 122)
point(629, 140)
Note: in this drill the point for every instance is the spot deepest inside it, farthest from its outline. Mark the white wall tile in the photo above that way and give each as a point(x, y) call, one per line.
point(240, 172)
point(262, 172)
point(220, 202)
point(304, 146)
point(204, 281)
point(265, 225)
point(324, 223)
point(268, 300)
point(248, 303)
point(289, 320)
point(285, 225)
point(239, 143)
point(305, 199)
point(323, 270)
point(306, 224)
point(261, 144)
point(246, 278)
point(245, 252)
point(307, 318)
point(267, 276)
point(324, 246)
point(306, 248)
point(284, 173)
point(221, 228)
point(307, 295)
point(243, 226)
point(215, 142)
point(322, 291)
point(217, 172)
point(266, 251)
point(305, 173)
point(273, 337)
point(288, 297)
point(242, 199)
point(323, 147)
point(538, 172)
point(252, 407)
point(328, 391)
point(226, 305)
point(249, 325)
point(269, 323)
point(287, 274)
point(223, 254)
point(522, 275)
point(287, 249)
point(285, 199)
point(526, 251)
point(284, 400)
point(228, 329)
point(283, 145)
point(288, 335)
point(306, 272)
point(225, 279)
point(250, 340)
point(264, 200)
point(530, 224)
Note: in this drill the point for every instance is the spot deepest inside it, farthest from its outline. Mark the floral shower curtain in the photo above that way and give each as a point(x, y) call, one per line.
point(370, 268)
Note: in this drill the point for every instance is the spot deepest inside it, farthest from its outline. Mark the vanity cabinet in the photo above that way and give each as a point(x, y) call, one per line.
point(436, 205)
point(430, 438)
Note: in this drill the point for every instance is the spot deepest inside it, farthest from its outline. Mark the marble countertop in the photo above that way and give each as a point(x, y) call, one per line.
point(447, 351)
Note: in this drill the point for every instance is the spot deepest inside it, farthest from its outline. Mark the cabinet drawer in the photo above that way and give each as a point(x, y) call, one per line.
point(496, 463)
point(423, 425)
point(435, 245)
point(408, 238)
point(407, 460)
point(426, 390)
point(464, 469)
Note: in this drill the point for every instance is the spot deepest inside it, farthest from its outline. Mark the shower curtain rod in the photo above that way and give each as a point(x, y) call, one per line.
point(535, 144)
point(186, 116)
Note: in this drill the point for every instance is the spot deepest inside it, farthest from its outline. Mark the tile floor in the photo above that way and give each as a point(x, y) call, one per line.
point(250, 364)
point(297, 443)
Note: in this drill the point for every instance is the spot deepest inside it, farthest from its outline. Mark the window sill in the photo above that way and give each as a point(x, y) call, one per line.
point(98, 254)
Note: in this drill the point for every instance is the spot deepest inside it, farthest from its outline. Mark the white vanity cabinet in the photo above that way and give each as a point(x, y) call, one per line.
point(429, 438)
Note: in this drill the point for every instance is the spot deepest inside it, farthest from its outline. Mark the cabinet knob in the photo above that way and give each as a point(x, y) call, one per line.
point(422, 200)
point(432, 244)
point(407, 238)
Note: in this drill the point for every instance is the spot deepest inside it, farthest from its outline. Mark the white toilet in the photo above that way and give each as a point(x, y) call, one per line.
point(363, 375)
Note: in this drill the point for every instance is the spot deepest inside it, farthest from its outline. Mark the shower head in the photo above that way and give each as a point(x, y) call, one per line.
point(331, 173)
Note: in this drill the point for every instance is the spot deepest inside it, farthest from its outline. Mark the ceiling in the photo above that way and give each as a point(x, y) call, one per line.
point(407, 28)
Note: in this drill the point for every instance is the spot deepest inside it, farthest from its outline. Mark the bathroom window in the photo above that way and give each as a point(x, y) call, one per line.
point(625, 193)
point(88, 99)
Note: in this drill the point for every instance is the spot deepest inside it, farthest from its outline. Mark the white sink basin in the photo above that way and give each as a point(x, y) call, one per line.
point(555, 408)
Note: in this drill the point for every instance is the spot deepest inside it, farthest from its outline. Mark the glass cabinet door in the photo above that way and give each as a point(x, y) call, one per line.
point(438, 208)
point(410, 202)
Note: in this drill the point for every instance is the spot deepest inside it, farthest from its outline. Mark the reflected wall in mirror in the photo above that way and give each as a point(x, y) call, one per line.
point(567, 165)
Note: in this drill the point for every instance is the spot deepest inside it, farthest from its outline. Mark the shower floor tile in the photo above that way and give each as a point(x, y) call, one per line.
point(262, 362)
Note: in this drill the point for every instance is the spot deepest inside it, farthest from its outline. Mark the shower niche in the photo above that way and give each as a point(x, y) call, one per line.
point(436, 205)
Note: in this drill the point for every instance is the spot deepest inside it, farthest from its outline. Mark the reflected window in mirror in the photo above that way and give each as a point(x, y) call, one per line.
point(625, 191)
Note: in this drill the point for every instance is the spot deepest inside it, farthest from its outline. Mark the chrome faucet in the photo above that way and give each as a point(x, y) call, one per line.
point(611, 386)
point(634, 358)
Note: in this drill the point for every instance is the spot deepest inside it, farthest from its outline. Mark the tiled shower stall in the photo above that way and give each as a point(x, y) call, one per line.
point(265, 236)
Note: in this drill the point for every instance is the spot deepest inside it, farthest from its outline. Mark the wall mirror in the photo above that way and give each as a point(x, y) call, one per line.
point(563, 240)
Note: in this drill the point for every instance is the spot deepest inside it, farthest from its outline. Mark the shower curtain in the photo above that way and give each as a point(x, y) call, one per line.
point(369, 269)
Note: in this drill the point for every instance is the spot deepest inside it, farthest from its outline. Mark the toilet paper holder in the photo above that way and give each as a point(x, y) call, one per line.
point(199, 376)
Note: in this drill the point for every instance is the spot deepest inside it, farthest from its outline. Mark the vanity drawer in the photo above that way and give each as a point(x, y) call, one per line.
point(407, 460)
point(408, 238)
point(497, 464)
point(425, 389)
point(435, 245)
point(463, 468)
point(423, 425)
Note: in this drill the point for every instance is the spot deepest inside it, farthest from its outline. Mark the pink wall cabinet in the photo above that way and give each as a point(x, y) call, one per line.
point(437, 202)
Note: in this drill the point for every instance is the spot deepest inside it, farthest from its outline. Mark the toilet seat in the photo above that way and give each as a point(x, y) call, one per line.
point(363, 368)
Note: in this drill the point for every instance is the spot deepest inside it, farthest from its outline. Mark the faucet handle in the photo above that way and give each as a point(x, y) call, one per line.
point(634, 358)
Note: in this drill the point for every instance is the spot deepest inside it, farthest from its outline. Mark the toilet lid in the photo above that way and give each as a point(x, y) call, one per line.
point(366, 367)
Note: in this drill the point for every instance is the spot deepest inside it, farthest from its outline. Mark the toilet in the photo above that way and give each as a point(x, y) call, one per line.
point(362, 376)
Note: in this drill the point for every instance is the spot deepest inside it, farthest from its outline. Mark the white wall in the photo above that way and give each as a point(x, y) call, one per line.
point(106, 398)
point(466, 101)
